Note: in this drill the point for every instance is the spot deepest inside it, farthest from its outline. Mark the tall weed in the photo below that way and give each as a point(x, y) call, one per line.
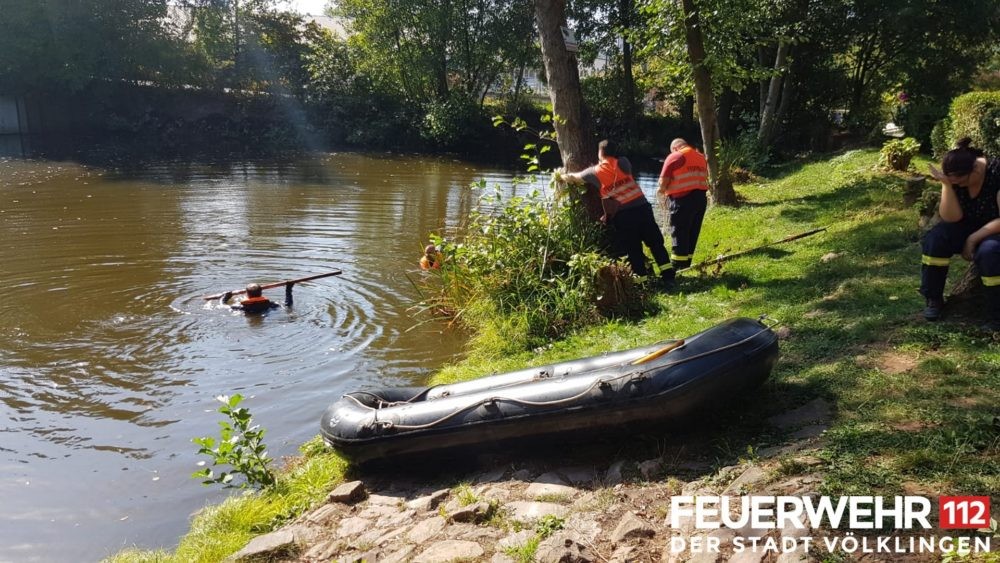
point(526, 271)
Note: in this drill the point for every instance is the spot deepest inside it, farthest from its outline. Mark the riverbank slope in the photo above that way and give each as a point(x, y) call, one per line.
point(867, 398)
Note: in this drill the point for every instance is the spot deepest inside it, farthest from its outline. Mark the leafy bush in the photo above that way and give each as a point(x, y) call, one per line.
point(528, 270)
point(456, 123)
point(940, 136)
point(523, 261)
point(976, 115)
point(240, 445)
point(741, 157)
point(896, 154)
point(648, 136)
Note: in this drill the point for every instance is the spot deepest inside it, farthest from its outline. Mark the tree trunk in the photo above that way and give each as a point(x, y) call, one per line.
point(722, 191)
point(687, 113)
point(761, 84)
point(574, 135)
point(725, 111)
point(518, 81)
point(767, 118)
point(787, 93)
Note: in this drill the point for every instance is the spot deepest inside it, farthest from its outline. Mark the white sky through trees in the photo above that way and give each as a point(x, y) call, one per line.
point(311, 7)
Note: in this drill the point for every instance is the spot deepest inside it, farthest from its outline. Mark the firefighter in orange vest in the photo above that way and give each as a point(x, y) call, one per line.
point(684, 183)
point(627, 210)
point(432, 258)
point(255, 301)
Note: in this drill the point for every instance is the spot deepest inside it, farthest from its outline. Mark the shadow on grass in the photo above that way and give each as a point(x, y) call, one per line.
point(783, 170)
point(852, 196)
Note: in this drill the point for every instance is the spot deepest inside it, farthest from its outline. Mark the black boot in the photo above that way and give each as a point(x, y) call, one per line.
point(992, 310)
point(667, 279)
point(932, 311)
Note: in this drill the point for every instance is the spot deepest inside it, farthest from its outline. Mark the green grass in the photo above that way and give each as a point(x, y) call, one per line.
point(930, 424)
point(524, 553)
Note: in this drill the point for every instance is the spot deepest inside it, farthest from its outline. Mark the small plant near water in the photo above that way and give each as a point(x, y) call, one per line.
point(240, 445)
point(529, 268)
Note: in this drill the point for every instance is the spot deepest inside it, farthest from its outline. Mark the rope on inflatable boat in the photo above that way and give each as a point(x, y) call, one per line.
point(388, 425)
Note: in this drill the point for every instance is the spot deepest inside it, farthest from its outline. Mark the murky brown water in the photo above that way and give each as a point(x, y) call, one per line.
point(110, 359)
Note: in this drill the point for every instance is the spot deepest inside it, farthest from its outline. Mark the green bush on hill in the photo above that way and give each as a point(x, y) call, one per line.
point(975, 115)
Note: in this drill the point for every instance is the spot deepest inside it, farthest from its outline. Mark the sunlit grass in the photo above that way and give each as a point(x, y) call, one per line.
point(929, 423)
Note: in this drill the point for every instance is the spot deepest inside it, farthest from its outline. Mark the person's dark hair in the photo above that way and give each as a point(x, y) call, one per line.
point(608, 147)
point(960, 160)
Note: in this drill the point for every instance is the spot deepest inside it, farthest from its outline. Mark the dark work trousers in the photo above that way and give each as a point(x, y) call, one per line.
point(947, 239)
point(634, 226)
point(686, 215)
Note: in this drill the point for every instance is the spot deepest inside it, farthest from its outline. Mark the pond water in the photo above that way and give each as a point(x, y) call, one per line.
point(110, 359)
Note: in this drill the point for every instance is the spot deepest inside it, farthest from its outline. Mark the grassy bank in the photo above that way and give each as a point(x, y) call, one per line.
point(914, 402)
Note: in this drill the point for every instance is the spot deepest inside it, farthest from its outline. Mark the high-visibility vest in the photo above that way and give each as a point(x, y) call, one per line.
point(691, 176)
point(431, 262)
point(256, 304)
point(615, 183)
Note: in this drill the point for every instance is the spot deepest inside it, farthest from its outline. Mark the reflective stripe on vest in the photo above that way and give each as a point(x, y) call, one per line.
point(691, 176)
point(615, 183)
point(991, 281)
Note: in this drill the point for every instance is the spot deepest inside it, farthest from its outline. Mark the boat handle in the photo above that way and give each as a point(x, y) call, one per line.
point(768, 321)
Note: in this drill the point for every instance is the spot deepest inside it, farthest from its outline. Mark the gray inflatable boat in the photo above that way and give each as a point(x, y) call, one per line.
point(607, 393)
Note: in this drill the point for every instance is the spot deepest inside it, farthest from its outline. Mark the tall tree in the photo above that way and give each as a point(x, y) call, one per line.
point(722, 187)
point(573, 131)
point(430, 49)
point(607, 31)
point(626, 14)
point(68, 46)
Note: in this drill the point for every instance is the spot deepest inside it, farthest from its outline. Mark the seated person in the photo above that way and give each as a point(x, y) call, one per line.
point(970, 226)
point(431, 260)
point(255, 301)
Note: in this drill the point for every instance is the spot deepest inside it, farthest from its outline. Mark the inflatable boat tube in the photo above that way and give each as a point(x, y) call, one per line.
point(661, 382)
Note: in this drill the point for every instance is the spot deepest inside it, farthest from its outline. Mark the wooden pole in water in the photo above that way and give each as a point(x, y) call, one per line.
point(275, 284)
point(725, 257)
